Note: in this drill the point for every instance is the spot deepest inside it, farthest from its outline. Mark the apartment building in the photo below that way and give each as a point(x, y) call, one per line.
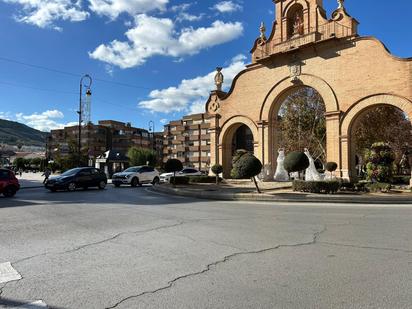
point(106, 135)
point(188, 140)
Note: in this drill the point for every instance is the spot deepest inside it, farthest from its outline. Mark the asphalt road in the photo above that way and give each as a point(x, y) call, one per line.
point(130, 248)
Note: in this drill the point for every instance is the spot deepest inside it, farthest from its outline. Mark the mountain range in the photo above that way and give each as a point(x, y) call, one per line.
point(15, 133)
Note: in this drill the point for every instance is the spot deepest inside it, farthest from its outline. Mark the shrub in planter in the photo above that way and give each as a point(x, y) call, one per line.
point(173, 166)
point(296, 162)
point(182, 180)
point(324, 187)
point(217, 169)
point(245, 166)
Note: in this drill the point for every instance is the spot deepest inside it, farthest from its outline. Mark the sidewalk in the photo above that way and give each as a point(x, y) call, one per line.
point(239, 193)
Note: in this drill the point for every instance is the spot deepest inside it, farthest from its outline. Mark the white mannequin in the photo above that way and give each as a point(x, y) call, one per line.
point(311, 172)
point(281, 174)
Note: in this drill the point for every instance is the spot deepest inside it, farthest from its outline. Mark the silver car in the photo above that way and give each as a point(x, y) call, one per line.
point(136, 176)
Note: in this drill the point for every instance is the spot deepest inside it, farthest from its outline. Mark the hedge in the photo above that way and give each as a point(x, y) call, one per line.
point(379, 187)
point(182, 180)
point(203, 179)
point(324, 187)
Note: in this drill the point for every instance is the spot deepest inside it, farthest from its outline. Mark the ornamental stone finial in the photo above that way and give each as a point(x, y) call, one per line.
point(341, 4)
point(219, 79)
point(262, 31)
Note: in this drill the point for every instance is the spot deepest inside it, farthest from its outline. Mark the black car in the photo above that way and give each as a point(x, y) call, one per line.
point(82, 177)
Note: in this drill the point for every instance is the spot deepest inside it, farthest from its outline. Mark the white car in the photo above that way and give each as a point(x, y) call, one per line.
point(165, 178)
point(136, 176)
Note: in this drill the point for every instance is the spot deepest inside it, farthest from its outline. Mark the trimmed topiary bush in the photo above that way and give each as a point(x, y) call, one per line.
point(173, 166)
point(246, 165)
point(217, 169)
point(331, 167)
point(320, 187)
point(296, 162)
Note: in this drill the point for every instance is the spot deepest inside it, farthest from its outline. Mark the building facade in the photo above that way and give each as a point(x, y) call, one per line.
point(97, 139)
point(188, 140)
point(306, 48)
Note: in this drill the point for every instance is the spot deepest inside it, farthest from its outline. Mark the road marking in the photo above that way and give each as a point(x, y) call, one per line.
point(8, 273)
point(34, 305)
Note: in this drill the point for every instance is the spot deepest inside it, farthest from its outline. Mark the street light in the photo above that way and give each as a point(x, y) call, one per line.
point(88, 83)
point(152, 129)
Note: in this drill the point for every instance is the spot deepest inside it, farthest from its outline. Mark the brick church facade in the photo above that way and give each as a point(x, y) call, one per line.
point(308, 49)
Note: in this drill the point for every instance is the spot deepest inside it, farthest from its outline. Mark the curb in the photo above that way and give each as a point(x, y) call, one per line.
point(254, 197)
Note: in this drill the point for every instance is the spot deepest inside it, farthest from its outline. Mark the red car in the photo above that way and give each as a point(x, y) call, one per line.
point(9, 184)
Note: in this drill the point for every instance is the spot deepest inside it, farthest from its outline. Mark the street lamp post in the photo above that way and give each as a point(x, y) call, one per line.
point(87, 85)
point(152, 130)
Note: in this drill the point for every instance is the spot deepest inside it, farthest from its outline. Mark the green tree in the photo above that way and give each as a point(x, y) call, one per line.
point(386, 124)
point(173, 166)
point(296, 162)
point(217, 169)
point(302, 123)
point(141, 156)
point(379, 165)
point(246, 165)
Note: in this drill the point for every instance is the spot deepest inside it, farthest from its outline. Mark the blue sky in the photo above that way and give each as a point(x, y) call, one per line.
point(165, 50)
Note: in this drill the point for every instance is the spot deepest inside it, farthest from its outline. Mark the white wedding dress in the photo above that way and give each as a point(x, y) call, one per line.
point(311, 173)
point(281, 174)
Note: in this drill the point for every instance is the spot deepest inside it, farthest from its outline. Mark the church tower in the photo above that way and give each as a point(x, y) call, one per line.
point(299, 23)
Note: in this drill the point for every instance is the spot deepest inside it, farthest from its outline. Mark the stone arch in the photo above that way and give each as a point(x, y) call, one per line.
point(276, 96)
point(226, 135)
point(290, 5)
point(350, 117)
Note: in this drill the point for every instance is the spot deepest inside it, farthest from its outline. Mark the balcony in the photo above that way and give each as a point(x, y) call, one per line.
point(331, 30)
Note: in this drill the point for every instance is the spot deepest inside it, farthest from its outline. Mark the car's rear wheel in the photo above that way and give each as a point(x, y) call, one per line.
point(156, 181)
point(71, 187)
point(9, 191)
point(102, 185)
point(135, 182)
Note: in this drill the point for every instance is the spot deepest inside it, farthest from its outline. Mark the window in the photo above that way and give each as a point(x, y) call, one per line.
point(4, 174)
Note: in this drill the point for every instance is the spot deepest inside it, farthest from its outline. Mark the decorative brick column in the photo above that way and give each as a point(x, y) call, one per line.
point(333, 147)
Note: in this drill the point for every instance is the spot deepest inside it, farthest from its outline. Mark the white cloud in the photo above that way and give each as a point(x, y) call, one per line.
point(44, 13)
point(227, 7)
point(113, 8)
point(45, 121)
point(184, 16)
point(164, 121)
point(141, 44)
point(191, 94)
point(5, 115)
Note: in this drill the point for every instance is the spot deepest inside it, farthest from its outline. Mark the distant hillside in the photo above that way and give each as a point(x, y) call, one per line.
point(14, 133)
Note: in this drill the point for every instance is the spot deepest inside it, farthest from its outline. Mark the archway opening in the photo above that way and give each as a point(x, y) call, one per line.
point(243, 139)
point(383, 124)
point(238, 136)
point(299, 123)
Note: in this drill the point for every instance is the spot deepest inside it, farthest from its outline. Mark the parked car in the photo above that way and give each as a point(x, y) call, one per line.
point(9, 184)
point(165, 177)
point(136, 176)
point(81, 177)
